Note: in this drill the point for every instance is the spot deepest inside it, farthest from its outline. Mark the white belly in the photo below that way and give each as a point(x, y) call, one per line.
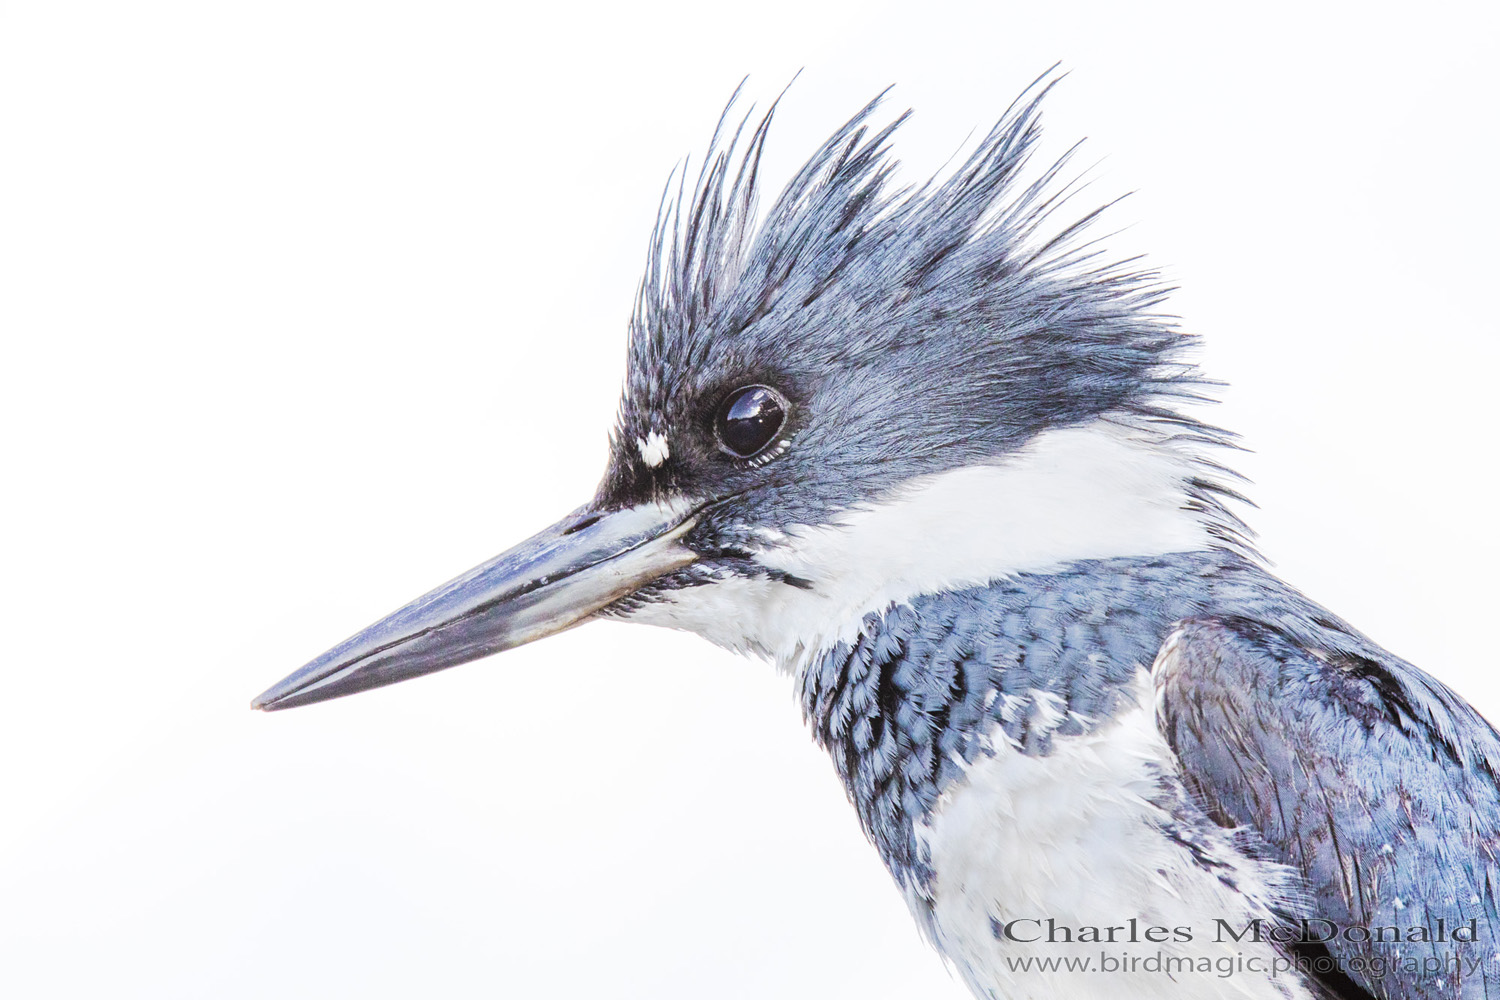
point(1077, 837)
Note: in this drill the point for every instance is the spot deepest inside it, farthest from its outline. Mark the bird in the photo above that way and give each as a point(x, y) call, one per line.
point(936, 455)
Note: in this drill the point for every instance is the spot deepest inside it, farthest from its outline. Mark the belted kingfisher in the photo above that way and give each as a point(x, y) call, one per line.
point(930, 453)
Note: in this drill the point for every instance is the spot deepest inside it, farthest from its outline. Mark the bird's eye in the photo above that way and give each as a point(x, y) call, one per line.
point(749, 420)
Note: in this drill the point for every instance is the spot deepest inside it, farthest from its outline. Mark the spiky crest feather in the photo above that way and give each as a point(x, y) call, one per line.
point(844, 268)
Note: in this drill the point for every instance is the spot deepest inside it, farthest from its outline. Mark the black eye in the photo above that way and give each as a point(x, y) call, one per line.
point(749, 420)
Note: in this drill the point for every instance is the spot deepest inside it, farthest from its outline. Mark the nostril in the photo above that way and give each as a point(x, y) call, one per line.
point(582, 523)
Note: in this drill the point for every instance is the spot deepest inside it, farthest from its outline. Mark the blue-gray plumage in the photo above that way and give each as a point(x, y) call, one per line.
point(928, 453)
point(1359, 771)
point(1346, 763)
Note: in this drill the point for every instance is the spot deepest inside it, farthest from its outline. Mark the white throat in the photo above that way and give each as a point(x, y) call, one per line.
point(1111, 488)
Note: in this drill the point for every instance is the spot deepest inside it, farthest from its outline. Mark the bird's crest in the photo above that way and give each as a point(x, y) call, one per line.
point(963, 289)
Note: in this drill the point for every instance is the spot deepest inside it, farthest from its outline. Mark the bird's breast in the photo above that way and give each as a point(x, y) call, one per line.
point(1084, 872)
point(1000, 748)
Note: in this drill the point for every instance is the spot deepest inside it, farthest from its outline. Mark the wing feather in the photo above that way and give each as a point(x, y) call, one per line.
point(1364, 774)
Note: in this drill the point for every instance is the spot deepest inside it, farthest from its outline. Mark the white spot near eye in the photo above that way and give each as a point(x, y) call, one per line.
point(654, 449)
point(1039, 509)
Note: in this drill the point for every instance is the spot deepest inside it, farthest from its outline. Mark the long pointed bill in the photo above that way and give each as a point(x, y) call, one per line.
point(548, 583)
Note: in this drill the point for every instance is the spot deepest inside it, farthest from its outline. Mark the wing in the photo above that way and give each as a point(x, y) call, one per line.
point(1367, 776)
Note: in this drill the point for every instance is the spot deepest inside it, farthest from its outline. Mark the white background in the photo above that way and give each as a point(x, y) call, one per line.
point(309, 305)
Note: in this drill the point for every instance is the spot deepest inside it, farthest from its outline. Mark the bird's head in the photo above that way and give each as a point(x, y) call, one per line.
point(865, 395)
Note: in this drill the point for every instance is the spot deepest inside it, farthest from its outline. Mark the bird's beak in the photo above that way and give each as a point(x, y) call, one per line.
point(550, 582)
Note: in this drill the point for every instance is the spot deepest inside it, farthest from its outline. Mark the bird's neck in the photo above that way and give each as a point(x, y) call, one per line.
point(1115, 488)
